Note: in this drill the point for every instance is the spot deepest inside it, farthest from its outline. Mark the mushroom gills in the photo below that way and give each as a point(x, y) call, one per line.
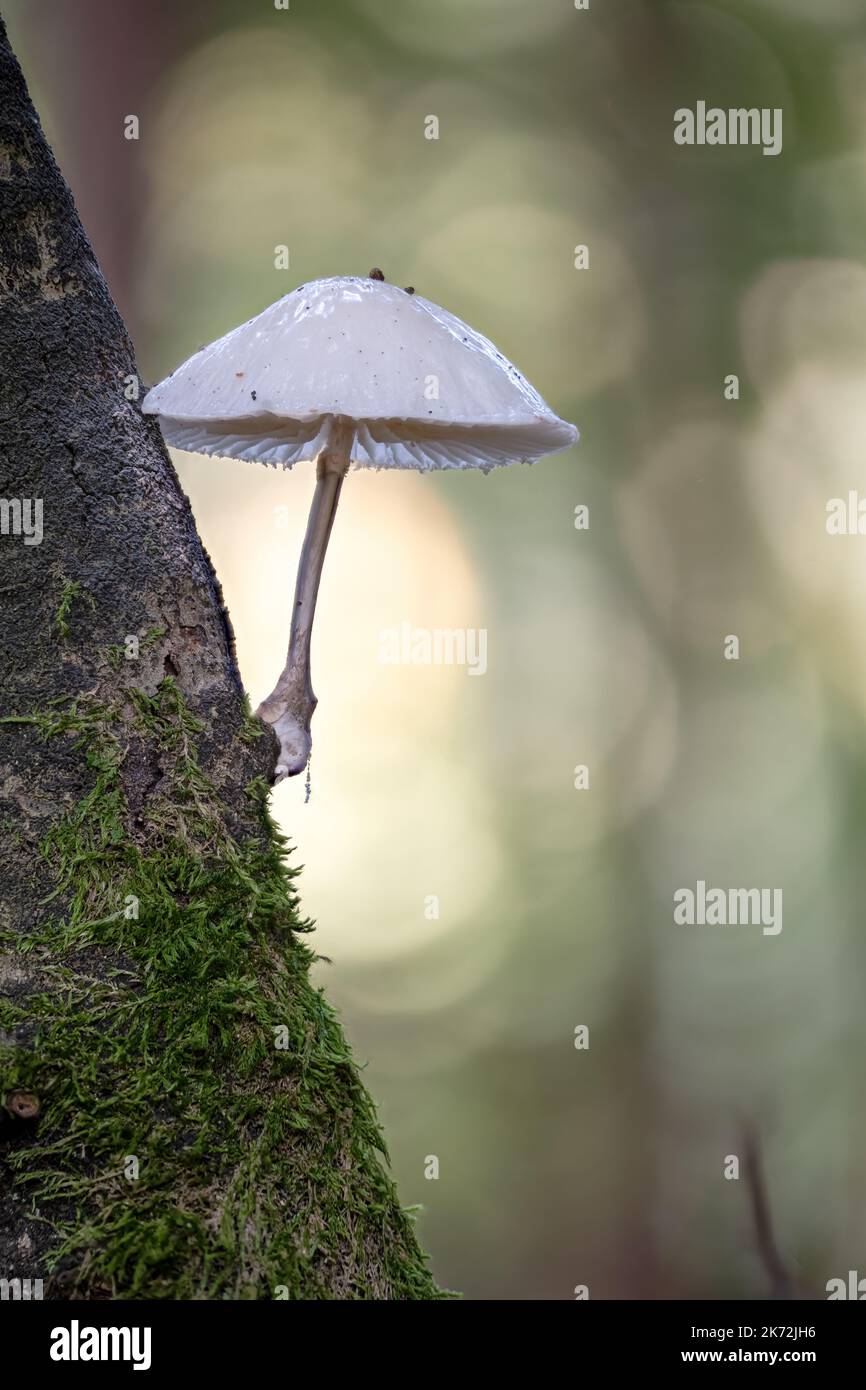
point(376, 443)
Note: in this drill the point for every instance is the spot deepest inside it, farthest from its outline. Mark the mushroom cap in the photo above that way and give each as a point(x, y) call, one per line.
point(369, 352)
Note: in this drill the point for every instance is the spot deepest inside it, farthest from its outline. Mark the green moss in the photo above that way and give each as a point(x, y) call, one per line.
point(178, 1025)
point(251, 730)
point(70, 590)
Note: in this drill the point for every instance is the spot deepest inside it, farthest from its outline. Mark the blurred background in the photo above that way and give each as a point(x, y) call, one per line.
point(478, 907)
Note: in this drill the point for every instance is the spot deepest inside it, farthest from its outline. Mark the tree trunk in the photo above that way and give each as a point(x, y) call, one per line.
point(181, 1116)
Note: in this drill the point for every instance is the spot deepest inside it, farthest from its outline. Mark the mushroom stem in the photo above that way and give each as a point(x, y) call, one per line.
point(289, 708)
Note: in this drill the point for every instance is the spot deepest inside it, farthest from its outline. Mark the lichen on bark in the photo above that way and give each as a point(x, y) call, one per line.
point(202, 1129)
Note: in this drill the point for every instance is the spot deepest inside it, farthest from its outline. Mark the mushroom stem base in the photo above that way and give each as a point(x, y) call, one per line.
point(290, 706)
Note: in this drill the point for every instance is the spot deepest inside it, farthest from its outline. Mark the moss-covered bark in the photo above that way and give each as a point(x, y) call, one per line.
point(201, 1130)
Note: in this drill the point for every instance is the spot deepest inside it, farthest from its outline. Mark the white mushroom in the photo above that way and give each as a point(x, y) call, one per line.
point(349, 370)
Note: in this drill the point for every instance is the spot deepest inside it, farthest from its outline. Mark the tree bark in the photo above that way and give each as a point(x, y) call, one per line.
point(181, 1116)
